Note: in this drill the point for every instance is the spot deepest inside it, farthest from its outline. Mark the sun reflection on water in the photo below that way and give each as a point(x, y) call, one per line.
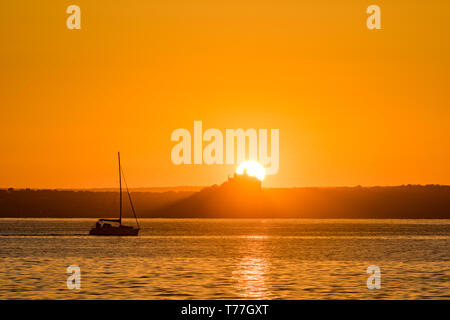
point(250, 275)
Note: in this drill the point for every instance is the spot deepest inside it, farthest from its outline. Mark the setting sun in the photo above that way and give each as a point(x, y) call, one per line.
point(253, 169)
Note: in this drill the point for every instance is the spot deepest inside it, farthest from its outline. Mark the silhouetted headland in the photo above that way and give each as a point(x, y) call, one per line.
point(239, 197)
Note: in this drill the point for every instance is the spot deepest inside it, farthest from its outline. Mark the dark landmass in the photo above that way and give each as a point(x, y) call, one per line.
point(236, 201)
point(30, 203)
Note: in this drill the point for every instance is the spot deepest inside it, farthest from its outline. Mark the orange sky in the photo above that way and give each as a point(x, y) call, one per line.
point(354, 106)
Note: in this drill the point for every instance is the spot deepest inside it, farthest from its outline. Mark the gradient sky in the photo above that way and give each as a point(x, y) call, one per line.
point(354, 106)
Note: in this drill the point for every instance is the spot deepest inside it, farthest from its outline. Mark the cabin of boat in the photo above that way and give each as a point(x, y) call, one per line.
point(106, 229)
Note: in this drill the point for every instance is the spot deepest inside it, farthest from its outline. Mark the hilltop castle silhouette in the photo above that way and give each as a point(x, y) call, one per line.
point(243, 182)
point(240, 197)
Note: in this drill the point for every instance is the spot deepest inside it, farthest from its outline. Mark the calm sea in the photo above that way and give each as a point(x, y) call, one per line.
point(227, 259)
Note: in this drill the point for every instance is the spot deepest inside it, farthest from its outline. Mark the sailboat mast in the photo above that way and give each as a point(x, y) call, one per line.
point(120, 192)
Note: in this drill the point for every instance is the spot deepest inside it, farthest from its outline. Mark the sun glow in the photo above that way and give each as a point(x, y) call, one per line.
point(253, 169)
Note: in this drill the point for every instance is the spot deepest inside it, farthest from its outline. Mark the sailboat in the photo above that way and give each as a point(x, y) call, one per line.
point(114, 227)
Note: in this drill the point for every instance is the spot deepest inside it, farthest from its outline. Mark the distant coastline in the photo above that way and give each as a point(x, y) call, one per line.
point(398, 202)
point(138, 189)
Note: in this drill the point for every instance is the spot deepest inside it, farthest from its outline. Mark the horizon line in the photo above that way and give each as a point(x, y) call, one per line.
point(199, 187)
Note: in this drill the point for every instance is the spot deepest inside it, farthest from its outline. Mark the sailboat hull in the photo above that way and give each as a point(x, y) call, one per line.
point(114, 231)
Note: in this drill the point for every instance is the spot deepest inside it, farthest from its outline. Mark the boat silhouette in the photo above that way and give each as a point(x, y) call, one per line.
point(114, 227)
